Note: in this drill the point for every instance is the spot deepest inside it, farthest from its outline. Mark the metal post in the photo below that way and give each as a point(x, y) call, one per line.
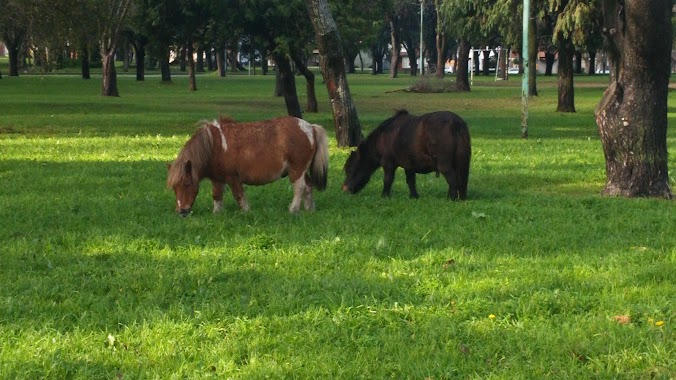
point(421, 37)
point(526, 68)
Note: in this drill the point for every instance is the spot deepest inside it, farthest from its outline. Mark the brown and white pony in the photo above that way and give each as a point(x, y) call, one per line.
point(254, 153)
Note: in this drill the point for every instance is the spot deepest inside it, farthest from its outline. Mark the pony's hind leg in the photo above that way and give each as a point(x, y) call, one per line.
point(298, 193)
point(308, 201)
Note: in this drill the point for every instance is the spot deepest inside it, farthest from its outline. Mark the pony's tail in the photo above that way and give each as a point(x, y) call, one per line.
point(319, 168)
point(463, 155)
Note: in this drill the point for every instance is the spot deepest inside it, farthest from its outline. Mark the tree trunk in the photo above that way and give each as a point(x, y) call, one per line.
point(109, 82)
point(549, 63)
point(532, 58)
point(279, 84)
point(84, 60)
point(220, 60)
point(199, 64)
point(182, 59)
point(110, 32)
point(140, 61)
point(632, 115)
point(13, 44)
point(288, 84)
point(441, 55)
point(164, 67)
point(310, 84)
point(591, 70)
point(578, 62)
point(487, 62)
point(345, 119)
point(566, 89)
point(396, 49)
point(192, 81)
point(462, 74)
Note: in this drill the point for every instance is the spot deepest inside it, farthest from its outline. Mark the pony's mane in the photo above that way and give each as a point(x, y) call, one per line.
point(197, 151)
point(385, 125)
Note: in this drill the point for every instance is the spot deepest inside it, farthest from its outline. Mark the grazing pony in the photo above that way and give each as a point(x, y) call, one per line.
point(253, 153)
point(435, 142)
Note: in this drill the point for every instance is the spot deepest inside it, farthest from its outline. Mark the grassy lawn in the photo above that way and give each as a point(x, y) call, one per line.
point(534, 276)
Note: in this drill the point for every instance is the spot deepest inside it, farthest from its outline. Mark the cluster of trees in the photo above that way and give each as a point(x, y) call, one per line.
point(53, 31)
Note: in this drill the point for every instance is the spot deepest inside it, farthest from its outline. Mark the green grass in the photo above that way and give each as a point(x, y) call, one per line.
point(99, 278)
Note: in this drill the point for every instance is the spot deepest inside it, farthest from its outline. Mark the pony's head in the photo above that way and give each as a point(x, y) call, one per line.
point(185, 185)
point(186, 172)
point(358, 169)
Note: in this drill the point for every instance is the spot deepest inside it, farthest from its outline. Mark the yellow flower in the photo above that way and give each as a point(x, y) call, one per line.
point(491, 316)
point(659, 323)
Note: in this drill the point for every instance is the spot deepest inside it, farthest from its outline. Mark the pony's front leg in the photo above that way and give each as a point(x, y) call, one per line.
point(238, 194)
point(388, 171)
point(217, 195)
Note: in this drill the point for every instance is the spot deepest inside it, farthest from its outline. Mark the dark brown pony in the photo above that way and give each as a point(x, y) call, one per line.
point(435, 142)
point(254, 153)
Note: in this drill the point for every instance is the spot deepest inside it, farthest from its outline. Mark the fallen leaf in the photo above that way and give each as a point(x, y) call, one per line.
point(623, 319)
point(464, 349)
point(448, 263)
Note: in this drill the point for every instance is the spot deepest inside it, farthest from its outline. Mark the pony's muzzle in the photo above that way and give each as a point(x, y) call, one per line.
point(185, 212)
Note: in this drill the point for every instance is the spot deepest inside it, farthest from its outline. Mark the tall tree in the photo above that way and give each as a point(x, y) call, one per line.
point(345, 119)
point(632, 115)
point(15, 21)
point(112, 15)
point(572, 18)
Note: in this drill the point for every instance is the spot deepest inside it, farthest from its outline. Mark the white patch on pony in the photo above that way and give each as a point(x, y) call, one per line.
point(224, 144)
point(307, 129)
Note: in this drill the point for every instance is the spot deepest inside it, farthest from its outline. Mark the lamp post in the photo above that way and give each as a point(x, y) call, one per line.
point(421, 37)
point(526, 68)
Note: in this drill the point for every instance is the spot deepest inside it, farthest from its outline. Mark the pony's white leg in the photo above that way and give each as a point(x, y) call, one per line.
point(243, 203)
point(218, 206)
point(298, 191)
point(238, 193)
point(217, 191)
point(307, 198)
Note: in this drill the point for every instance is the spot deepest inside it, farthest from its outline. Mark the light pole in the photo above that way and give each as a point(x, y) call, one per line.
point(421, 37)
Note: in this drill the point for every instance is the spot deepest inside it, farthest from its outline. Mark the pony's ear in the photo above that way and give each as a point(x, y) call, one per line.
point(188, 167)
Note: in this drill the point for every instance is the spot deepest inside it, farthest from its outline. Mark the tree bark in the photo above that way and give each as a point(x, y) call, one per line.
point(220, 60)
point(486, 58)
point(164, 67)
point(13, 43)
point(532, 58)
point(140, 61)
point(441, 55)
point(111, 24)
point(345, 119)
point(109, 82)
point(396, 48)
point(288, 84)
point(566, 90)
point(84, 60)
point(192, 80)
point(632, 115)
point(310, 83)
point(591, 70)
point(578, 62)
point(462, 74)
point(549, 63)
